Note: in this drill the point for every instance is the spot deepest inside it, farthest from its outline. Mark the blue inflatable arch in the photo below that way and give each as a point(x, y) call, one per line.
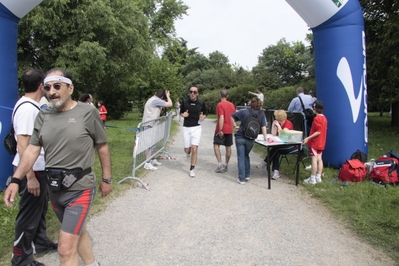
point(340, 63)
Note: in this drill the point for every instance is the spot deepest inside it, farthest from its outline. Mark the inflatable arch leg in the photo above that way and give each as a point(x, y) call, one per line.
point(10, 13)
point(340, 63)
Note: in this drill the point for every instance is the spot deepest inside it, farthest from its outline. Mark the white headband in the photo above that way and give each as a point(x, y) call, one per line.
point(58, 78)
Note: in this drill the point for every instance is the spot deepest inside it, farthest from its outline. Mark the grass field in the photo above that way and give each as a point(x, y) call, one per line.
point(368, 210)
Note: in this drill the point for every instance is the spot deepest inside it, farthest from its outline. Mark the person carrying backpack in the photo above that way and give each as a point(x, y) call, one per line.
point(244, 142)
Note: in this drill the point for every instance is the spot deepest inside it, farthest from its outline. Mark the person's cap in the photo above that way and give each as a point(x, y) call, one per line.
point(310, 92)
point(318, 104)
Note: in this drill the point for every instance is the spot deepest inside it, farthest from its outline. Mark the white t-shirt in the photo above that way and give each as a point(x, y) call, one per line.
point(24, 120)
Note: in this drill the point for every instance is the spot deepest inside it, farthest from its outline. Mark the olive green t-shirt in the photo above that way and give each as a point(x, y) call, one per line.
point(69, 139)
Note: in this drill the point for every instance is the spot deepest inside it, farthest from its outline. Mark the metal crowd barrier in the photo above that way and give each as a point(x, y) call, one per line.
point(151, 135)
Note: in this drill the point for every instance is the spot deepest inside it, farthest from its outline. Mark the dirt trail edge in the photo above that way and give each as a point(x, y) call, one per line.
point(213, 220)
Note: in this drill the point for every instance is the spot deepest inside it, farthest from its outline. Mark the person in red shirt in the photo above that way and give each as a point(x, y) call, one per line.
point(102, 110)
point(280, 123)
point(317, 142)
point(223, 130)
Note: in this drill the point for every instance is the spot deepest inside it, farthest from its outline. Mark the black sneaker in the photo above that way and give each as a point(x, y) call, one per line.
point(53, 247)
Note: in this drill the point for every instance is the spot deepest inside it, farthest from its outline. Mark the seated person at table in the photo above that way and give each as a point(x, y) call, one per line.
point(280, 123)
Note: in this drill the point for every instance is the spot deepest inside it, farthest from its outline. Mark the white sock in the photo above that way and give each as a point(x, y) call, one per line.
point(318, 176)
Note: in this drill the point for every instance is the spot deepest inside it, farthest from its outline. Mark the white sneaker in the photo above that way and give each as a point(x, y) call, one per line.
point(192, 173)
point(240, 182)
point(276, 175)
point(149, 166)
point(262, 165)
point(155, 162)
point(310, 180)
point(219, 169)
point(308, 168)
point(318, 179)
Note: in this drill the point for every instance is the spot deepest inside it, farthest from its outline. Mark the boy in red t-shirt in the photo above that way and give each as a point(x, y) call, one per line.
point(317, 142)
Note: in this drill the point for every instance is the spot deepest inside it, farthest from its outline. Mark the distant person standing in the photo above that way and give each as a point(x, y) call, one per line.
point(102, 111)
point(258, 94)
point(177, 108)
point(223, 131)
point(311, 93)
point(152, 110)
point(84, 98)
point(317, 142)
point(44, 103)
point(295, 104)
point(194, 112)
point(243, 144)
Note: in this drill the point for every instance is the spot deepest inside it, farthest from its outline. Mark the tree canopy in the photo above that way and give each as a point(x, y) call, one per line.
point(108, 45)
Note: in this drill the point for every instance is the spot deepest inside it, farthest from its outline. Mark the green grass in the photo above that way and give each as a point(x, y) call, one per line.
point(370, 211)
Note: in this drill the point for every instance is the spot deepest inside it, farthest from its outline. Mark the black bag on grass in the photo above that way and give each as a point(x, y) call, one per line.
point(361, 156)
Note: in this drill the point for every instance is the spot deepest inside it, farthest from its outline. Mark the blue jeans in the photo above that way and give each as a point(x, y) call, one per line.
point(244, 147)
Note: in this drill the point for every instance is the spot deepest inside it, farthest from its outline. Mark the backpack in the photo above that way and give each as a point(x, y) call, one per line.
point(10, 144)
point(385, 170)
point(309, 114)
point(352, 170)
point(252, 126)
point(361, 156)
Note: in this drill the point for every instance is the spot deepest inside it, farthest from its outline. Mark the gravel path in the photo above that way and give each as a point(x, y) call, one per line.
point(213, 220)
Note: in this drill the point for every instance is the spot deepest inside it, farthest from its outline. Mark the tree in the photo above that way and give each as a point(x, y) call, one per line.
point(382, 40)
point(281, 65)
point(218, 60)
point(107, 45)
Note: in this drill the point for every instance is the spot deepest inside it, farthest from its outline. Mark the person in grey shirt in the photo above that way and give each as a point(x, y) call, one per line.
point(295, 104)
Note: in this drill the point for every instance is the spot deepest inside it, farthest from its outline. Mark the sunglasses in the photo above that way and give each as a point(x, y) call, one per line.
point(56, 86)
point(193, 92)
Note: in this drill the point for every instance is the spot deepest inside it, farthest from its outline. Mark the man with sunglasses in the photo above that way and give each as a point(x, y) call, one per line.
point(30, 224)
point(67, 131)
point(194, 112)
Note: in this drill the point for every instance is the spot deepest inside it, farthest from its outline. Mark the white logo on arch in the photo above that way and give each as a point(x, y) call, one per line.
point(345, 75)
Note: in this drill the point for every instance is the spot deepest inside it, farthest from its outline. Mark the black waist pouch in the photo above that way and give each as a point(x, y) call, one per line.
point(58, 179)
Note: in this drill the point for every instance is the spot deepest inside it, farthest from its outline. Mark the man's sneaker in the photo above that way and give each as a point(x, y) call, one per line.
point(155, 162)
point(35, 263)
point(149, 166)
point(247, 178)
point(318, 179)
point(276, 175)
point(219, 169)
point(192, 173)
point(225, 167)
point(240, 182)
point(51, 248)
point(310, 180)
point(308, 168)
point(262, 165)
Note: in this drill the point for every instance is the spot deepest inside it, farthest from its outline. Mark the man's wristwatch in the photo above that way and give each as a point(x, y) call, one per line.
point(107, 180)
point(15, 180)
